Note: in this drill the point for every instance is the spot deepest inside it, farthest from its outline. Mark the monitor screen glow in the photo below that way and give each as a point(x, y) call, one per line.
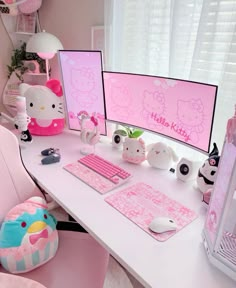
point(83, 86)
point(179, 109)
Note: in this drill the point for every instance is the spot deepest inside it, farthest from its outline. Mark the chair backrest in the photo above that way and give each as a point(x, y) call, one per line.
point(15, 183)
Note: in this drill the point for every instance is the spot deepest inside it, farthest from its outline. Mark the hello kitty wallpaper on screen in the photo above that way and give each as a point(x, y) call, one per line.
point(83, 86)
point(179, 109)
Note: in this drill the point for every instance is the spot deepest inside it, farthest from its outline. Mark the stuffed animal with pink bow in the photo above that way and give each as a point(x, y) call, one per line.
point(44, 104)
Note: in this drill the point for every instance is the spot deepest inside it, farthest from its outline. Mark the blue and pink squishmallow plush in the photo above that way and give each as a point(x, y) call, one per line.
point(28, 236)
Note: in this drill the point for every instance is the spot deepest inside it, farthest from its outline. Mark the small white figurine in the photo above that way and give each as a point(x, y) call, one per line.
point(161, 155)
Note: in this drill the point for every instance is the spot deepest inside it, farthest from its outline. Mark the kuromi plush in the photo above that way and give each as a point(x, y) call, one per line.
point(207, 173)
point(161, 155)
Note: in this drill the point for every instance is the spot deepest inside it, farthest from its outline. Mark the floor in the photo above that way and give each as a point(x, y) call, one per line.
point(118, 277)
point(134, 282)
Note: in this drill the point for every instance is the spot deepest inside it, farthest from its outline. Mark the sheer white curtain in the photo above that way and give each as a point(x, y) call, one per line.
point(184, 39)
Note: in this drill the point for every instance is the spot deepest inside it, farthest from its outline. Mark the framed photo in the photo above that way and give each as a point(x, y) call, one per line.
point(26, 23)
point(97, 38)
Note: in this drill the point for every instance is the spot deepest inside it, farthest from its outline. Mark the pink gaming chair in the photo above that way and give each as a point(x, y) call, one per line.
point(80, 261)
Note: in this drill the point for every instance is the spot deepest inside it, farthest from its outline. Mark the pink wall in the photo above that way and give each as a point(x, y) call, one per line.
point(5, 56)
point(70, 21)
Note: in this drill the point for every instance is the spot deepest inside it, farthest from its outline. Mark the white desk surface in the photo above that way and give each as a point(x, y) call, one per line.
point(179, 262)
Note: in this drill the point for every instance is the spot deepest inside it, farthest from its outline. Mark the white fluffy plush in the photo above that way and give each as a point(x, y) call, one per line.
point(161, 155)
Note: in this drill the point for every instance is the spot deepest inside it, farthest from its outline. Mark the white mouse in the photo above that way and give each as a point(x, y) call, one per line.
point(162, 224)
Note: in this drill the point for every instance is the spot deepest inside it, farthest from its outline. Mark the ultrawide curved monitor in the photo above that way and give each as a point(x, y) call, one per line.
point(179, 109)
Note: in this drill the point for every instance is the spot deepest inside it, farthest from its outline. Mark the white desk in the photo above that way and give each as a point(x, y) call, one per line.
point(180, 262)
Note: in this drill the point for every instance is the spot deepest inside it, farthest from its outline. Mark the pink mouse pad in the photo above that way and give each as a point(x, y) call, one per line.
point(141, 204)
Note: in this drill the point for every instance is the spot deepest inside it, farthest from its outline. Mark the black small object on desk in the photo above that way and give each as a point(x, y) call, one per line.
point(49, 151)
point(53, 158)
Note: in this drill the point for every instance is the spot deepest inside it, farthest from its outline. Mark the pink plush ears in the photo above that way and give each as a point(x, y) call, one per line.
point(142, 143)
point(55, 86)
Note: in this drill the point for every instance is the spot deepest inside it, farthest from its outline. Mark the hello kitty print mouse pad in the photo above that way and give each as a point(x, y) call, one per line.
point(141, 204)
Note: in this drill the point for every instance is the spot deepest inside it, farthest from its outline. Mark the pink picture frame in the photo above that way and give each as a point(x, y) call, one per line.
point(26, 23)
point(97, 38)
point(81, 72)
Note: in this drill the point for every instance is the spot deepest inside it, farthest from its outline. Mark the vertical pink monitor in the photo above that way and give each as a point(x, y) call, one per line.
point(179, 109)
point(83, 85)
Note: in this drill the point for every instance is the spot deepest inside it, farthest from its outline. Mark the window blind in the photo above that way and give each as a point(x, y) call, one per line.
point(184, 39)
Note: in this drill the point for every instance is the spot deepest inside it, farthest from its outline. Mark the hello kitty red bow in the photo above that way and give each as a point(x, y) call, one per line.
point(55, 86)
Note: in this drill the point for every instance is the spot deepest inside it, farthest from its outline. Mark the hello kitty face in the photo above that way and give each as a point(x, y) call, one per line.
point(82, 79)
point(154, 102)
point(134, 150)
point(190, 113)
point(42, 102)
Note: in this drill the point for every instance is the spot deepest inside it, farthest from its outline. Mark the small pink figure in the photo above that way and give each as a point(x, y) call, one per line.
point(207, 196)
point(212, 221)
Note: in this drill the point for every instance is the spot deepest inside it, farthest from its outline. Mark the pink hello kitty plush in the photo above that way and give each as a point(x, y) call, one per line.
point(44, 104)
point(134, 150)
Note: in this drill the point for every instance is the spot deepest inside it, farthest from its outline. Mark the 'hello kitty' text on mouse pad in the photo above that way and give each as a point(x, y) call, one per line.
point(141, 204)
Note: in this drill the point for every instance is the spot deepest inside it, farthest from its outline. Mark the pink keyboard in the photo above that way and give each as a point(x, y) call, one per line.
point(108, 170)
point(98, 173)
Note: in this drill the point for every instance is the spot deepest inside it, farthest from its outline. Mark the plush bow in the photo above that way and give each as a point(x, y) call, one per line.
point(35, 237)
point(55, 86)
